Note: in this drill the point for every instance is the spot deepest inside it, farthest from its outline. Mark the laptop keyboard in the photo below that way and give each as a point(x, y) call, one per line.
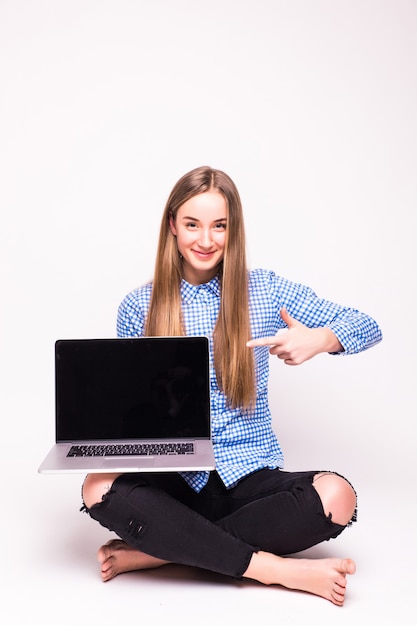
point(132, 449)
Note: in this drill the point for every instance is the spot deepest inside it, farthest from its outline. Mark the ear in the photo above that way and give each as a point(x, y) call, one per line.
point(172, 225)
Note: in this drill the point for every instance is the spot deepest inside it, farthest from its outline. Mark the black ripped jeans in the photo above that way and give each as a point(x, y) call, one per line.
point(217, 529)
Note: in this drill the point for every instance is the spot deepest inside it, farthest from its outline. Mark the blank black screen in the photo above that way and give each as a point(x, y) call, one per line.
point(140, 388)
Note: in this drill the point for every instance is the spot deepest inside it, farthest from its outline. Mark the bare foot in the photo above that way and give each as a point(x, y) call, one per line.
point(116, 557)
point(322, 577)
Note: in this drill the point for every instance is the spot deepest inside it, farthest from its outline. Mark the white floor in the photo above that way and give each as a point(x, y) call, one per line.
point(49, 564)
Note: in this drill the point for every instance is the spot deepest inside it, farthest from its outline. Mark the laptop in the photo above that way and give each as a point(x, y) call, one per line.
point(131, 405)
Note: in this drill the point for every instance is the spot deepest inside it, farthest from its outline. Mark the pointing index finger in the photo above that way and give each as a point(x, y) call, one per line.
point(264, 341)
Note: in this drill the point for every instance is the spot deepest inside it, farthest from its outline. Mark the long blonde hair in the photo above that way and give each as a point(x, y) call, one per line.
point(233, 361)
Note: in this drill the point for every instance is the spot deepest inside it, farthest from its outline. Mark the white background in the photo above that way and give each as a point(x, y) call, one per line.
point(310, 106)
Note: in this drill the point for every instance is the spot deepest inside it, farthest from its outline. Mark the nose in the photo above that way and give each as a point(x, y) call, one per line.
point(205, 240)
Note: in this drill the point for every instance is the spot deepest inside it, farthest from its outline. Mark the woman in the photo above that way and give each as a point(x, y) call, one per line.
point(244, 518)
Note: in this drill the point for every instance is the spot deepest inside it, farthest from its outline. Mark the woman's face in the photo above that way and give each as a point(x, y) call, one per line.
point(200, 229)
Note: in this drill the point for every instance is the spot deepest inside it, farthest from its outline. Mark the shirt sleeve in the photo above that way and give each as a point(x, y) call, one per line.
point(355, 330)
point(131, 316)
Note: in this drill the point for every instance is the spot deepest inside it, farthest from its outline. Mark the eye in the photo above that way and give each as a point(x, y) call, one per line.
point(191, 225)
point(220, 226)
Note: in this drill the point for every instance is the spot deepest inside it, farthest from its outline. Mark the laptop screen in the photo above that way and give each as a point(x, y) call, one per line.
point(125, 389)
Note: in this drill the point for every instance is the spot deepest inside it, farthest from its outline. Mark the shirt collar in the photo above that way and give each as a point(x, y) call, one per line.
point(189, 292)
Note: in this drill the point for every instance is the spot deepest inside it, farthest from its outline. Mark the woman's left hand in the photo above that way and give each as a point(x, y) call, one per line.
point(298, 342)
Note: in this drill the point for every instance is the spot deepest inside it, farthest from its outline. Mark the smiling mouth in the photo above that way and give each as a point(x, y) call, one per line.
point(204, 255)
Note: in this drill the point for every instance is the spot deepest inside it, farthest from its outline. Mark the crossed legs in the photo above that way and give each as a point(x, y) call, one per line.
point(322, 577)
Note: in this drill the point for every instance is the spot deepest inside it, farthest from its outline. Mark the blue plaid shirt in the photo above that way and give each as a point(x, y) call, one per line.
point(245, 441)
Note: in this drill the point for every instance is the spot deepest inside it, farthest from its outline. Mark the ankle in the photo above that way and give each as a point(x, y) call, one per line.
point(263, 567)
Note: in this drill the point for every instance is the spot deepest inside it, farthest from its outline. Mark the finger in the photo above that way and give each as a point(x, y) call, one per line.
point(286, 318)
point(263, 341)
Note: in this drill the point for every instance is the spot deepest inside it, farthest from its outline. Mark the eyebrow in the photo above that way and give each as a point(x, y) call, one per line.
point(195, 219)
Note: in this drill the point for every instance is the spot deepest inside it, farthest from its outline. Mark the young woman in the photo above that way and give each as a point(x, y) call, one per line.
point(243, 519)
